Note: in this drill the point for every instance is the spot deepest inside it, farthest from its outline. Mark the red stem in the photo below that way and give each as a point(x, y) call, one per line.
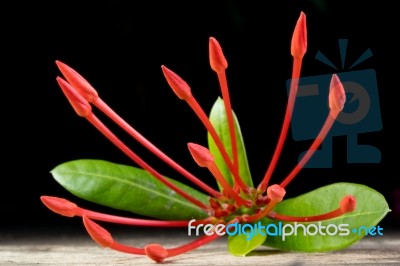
point(171, 251)
point(229, 114)
point(192, 245)
point(67, 208)
point(141, 139)
point(127, 249)
point(335, 213)
point(117, 142)
point(210, 128)
point(286, 122)
point(314, 146)
point(104, 238)
point(129, 221)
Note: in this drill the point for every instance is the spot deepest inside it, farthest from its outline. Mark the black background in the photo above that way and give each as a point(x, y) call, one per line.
point(119, 47)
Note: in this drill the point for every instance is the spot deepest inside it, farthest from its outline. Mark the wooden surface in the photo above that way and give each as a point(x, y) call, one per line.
point(77, 248)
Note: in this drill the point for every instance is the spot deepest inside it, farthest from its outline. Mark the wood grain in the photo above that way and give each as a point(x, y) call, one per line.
point(77, 248)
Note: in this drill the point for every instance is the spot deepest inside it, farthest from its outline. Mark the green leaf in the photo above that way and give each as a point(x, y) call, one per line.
point(241, 244)
point(219, 120)
point(371, 208)
point(127, 188)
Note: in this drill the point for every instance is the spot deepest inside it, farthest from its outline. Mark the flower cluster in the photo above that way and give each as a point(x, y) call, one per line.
point(236, 201)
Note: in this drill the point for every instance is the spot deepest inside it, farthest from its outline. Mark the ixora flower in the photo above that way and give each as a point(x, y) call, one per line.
point(329, 218)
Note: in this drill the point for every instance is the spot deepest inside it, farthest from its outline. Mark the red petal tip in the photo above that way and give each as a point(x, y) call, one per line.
point(348, 204)
point(200, 154)
point(156, 252)
point(217, 59)
point(276, 193)
point(299, 37)
point(337, 95)
point(59, 205)
point(80, 104)
point(177, 84)
point(98, 233)
point(77, 81)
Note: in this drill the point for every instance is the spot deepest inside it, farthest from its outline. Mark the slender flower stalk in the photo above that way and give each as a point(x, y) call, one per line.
point(298, 50)
point(183, 91)
point(337, 97)
point(103, 107)
point(347, 204)
point(237, 202)
point(67, 208)
point(104, 238)
point(83, 109)
point(83, 87)
point(219, 65)
point(203, 240)
point(155, 252)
